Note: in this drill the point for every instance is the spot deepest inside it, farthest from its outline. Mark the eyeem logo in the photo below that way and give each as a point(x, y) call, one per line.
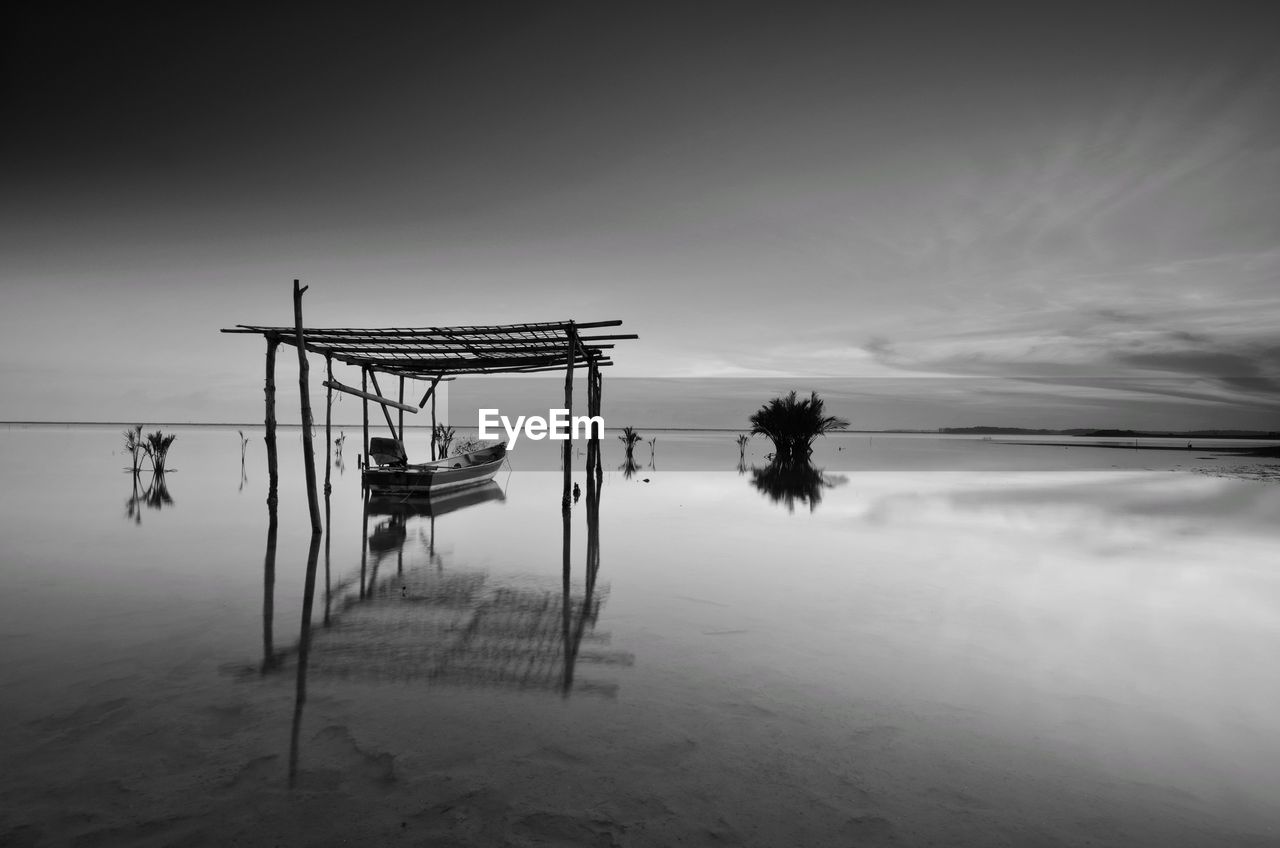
point(558, 427)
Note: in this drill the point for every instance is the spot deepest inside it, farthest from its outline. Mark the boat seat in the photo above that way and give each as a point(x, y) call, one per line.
point(388, 452)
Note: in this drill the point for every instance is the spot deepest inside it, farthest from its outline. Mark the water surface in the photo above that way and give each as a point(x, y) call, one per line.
point(958, 642)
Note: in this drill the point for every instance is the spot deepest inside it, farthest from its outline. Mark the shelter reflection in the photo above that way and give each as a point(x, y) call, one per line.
point(463, 626)
point(427, 622)
point(792, 482)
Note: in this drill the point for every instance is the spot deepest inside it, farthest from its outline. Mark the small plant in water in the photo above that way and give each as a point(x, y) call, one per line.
point(629, 438)
point(133, 445)
point(442, 436)
point(743, 438)
point(792, 425)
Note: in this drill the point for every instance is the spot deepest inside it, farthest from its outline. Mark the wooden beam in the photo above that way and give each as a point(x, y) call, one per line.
point(386, 413)
point(546, 327)
point(431, 390)
point(399, 344)
point(335, 385)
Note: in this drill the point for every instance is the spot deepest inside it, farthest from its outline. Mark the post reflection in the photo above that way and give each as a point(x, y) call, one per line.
point(303, 652)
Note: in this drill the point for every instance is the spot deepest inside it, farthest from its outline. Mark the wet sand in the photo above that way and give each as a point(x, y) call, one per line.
point(386, 766)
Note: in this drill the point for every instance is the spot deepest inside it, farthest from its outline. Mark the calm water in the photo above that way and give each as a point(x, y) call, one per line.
point(962, 642)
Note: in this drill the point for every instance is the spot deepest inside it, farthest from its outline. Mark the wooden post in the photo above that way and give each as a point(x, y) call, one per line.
point(433, 427)
point(273, 469)
point(328, 429)
point(599, 411)
point(593, 409)
point(400, 429)
point(567, 499)
point(364, 386)
point(308, 449)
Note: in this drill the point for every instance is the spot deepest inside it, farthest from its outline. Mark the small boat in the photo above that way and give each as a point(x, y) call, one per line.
point(394, 475)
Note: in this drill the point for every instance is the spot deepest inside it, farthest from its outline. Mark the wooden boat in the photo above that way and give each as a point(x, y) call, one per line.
point(394, 476)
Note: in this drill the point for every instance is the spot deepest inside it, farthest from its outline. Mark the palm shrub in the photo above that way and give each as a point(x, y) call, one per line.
point(743, 438)
point(157, 448)
point(792, 424)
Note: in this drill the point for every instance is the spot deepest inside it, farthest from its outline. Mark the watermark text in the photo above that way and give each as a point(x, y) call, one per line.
point(557, 426)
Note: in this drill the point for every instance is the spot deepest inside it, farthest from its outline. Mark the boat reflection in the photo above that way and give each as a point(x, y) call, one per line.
point(792, 482)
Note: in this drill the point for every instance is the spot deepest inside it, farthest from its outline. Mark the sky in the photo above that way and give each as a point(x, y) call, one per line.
point(1030, 214)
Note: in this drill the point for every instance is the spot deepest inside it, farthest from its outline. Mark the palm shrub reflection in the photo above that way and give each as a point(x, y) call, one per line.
point(154, 496)
point(792, 424)
point(789, 482)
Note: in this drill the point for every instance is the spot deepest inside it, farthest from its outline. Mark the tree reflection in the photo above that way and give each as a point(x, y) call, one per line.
point(789, 482)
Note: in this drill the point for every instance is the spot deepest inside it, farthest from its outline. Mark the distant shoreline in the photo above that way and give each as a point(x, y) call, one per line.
point(1244, 435)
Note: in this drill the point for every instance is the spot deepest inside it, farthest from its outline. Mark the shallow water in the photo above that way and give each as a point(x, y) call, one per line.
point(963, 642)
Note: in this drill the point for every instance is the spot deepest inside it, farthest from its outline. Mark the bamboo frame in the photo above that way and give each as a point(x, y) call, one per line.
point(433, 354)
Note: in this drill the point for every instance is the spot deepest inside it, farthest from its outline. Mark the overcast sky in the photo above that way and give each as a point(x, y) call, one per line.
point(1078, 203)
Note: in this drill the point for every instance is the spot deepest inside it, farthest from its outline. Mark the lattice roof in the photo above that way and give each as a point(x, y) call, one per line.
point(433, 352)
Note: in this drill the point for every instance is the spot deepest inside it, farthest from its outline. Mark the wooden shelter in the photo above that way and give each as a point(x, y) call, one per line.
point(433, 354)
